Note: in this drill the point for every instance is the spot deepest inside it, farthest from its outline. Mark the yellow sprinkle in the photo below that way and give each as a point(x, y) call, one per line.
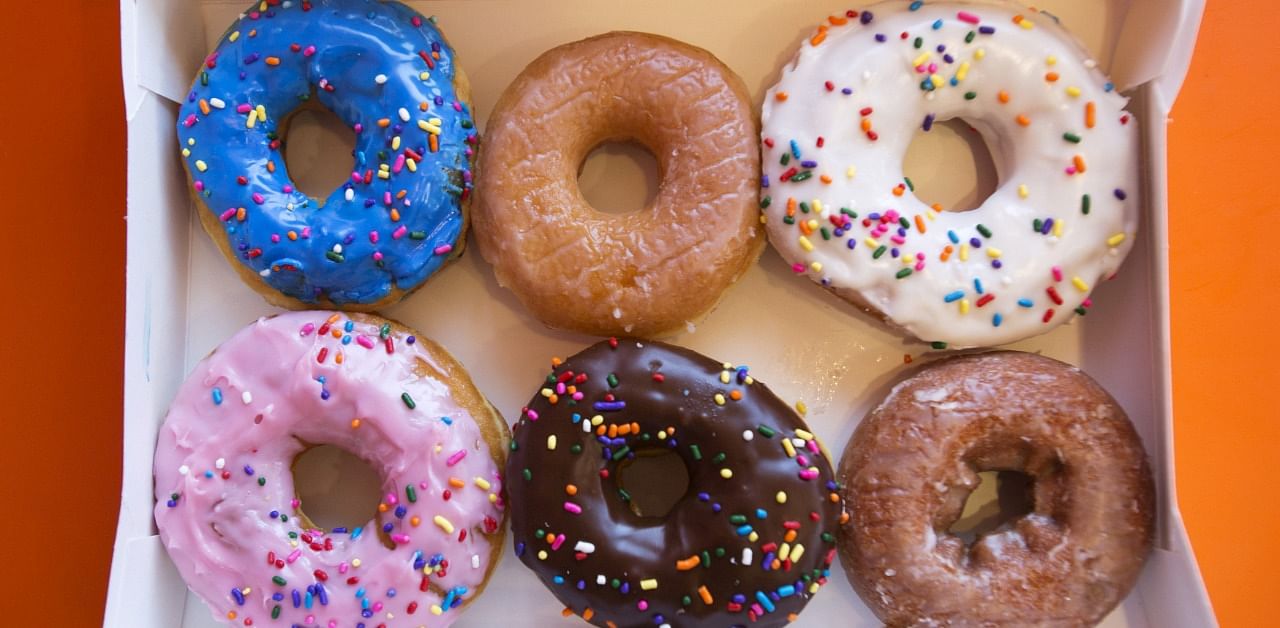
point(262, 112)
point(1023, 192)
point(186, 152)
point(963, 71)
point(754, 536)
point(1058, 227)
point(726, 473)
point(1116, 239)
point(803, 434)
point(815, 266)
point(424, 75)
point(719, 399)
point(435, 121)
point(936, 80)
point(797, 552)
point(395, 143)
point(551, 441)
point(802, 409)
point(542, 555)
point(964, 252)
point(851, 172)
point(252, 119)
point(411, 164)
point(1073, 91)
point(806, 244)
point(817, 207)
point(781, 497)
point(979, 53)
point(429, 128)
point(483, 483)
point(993, 252)
point(191, 141)
point(545, 392)
point(813, 224)
point(662, 435)
point(493, 498)
point(919, 61)
point(1079, 284)
point(597, 420)
point(384, 174)
point(201, 166)
point(355, 562)
point(233, 36)
point(1051, 60)
point(930, 214)
point(789, 448)
point(871, 242)
point(784, 552)
point(444, 524)
point(649, 585)
point(724, 376)
point(964, 306)
point(1026, 24)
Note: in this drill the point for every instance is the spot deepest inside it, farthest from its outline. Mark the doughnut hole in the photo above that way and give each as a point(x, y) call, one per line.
point(335, 488)
point(1000, 498)
point(951, 166)
point(619, 178)
point(655, 479)
point(319, 150)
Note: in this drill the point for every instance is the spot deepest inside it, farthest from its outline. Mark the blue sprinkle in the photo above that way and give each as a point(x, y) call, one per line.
point(786, 590)
point(349, 325)
point(360, 592)
point(274, 514)
point(217, 396)
point(297, 599)
point(346, 340)
point(953, 296)
point(849, 90)
point(880, 37)
point(277, 596)
point(937, 24)
point(704, 497)
point(308, 600)
point(977, 285)
point(997, 319)
point(1025, 302)
point(237, 596)
point(391, 592)
point(795, 149)
point(915, 6)
point(761, 514)
point(355, 534)
point(865, 17)
point(609, 406)
point(519, 549)
point(208, 474)
point(558, 579)
point(577, 418)
point(1109, 86)
point(340, 530)
point(765, 602)
point(809, 163)
point(955, 239)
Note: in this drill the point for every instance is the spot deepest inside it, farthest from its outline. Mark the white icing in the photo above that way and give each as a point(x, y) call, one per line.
point(862, 173)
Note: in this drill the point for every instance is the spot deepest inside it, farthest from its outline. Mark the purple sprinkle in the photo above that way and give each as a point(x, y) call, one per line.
point(297, 599)
point(880, 37)
point(237, 596)
point(609, 406)
point(411, 340)
point(851, 243)
point(846, 91)
point(995, 263)
point(1120, 194)
point(975, 243)
point(809, 163)
point(519, 549)
point(248, 470)
point(893, 252)
point(986, 30)
point(866, 17)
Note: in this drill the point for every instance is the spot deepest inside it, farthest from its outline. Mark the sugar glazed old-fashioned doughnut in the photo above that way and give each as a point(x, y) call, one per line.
point(837, 126)
point(640, 274)
point(912, 463)
point(750, 541)
point(227, 509)
point(389, 75)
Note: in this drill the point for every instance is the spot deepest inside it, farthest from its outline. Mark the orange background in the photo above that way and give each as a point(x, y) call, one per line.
point(62, 197)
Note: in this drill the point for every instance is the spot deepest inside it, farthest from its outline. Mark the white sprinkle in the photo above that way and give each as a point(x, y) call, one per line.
point(584, 547)
point(889, 573)
point(246, 397)
point(404, 114)
point(380, 79)
point(350, 194)
point(600, 579)
point(475, 561)
point(220, 463)
point(748, 435)
point(617, 313)
point(1090, 63)
point(551, 442)
point(184, 469)
point(266, 272)
point(746, 556)
point(586, 426)
point(217, 103)
point(337, 248)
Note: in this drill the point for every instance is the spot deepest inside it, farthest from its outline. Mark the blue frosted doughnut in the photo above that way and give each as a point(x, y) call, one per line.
point(389, 75)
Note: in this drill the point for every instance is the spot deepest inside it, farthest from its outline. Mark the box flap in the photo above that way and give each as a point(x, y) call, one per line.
point(1155, 45)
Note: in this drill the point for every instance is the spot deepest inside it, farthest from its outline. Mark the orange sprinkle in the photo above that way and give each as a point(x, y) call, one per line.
point(384, 122)
point(355, 423)
point(273, 60)
point(587, 614)
point(395, 215)
point(1002, 96)
point(1023, 120)
point(1052, 77)
point(613, 430)
point(415, 521)
point(600, 431)
point(844, 516)
point(819, 36)
point(1017, 19)
point(382, 507)
point(550, 538)
point(456, 483)
point(837, 20)
point(705, 595)
point(240, 214)
point(866, 124)
point(566, 612)
point(1090, 114)
point(825, 179)
point(553, 398)
point(804, 227)
point(635, 427)
point(735, 395)
point(271, 166)
point(401, 194)
point(337, 333)
point(946, 252)
point(338, 358)
point(610, 624)
point(899, 189)
point(570, 489)
point(937, 207)
point(333, 319)
point(624, 429)
point(920, 223)
point(433, 143)
point(556, 361)
point(1078, 160)
point(906, 358)
point(204, 106)
point(688, 563)
point(231, 614)
point(789, 536)
point(791, 206)
point(780, 96)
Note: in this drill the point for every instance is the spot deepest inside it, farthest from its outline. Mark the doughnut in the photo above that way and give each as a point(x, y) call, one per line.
point(840, 210)
point(750, 541)
point(227, 510)
point(913, 461)
point(646, 273)
point(390, 76)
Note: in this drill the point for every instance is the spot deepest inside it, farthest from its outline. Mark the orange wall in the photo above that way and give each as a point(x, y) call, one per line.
point(62, 202)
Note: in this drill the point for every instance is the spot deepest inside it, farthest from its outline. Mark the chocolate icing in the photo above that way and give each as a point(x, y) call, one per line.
point(657, 387)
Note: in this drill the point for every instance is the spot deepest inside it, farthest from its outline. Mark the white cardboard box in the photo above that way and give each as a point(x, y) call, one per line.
point(183, 298)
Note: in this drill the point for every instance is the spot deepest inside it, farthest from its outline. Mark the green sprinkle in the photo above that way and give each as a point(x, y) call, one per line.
point(804, 207)
point(576, 448)
point(262, 481)
point(275, 612)
point(938, 344)
point(539, 533)
point(738, 519)
point(408, 401)
point(910, 186)
point(880, 251)
point(904, 273)
point(826, 235)
point(1036, 225)
point(706, 559)
point(719, 458)
point(1071, 137)
point(803, 176)
point(417, 235)
point(719, 552)
point(1084, 204)
point(906, 224)
point(514, 446)
point(615, 583)
point(765, 202)
point(697, 453)
point(622, 492)
point(466, 124)
point(986, 233)
point(411, 493)
point(204, 79)
point(279, 580)
point(384, 331)
point(1081, 311)
point(786, 158)
point(335, 256)
point(645, 437)
point(919, 41)
point(528, 475)
point(970, 95)
point(284, 518)
point(790, 220)
point(968, 37)
point(828, 537)
point(848, 212)
point(686, 600)
point(766, 431)
point(621, 453)
point(613, 380)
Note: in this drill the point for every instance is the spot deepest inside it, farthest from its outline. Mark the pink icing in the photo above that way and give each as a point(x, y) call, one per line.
point(229, 465)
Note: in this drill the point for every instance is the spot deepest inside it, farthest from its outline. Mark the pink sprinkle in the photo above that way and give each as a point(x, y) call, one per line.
point(919, 266)
point(965, 16)
point(456, 457)
point(416, 21)
point(399, 165)
point(295, 503)
point(392, 500)
point(356, 178)
point(443, 249)
point(399, 232)
point(306, 232)
point(898, 239)
point(190, 121)
point(402, 539)
point(1070, 170)
point(365, 341)
point(1057, 273)
point(377, 606)
point(812, 445)
point(258, 198)
point(199, 186)
point(358, 127)
point(1087, 302)
point(802, 460)
point(306, 329)
point(532, 414)
point(377, 256)
point(573, 508)
point(457, 106)
point(560, 389)
point(227, 215)
point(808, 474)
point(275, 237)
point(373, 237)
point(293, 556)
point(797, 268)
point(892, 215)
point(245, 108)
point(308, 51)
point(642, 605)
point(343, 568)
point(933, 68)
point(558, 542)
point(386, 198)
point(288, 189)
point(577, 396)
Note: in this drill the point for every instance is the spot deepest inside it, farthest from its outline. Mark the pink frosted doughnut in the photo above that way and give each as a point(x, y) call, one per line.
point(226, 506)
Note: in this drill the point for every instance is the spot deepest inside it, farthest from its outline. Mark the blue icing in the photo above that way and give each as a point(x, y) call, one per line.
point(335, 49)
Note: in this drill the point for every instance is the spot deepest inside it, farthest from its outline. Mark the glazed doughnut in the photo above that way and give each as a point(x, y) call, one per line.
point(390, 76)
point(750, 541)
point(226, 506)
point(640, 274)
point(913, 461)
point(839, 209)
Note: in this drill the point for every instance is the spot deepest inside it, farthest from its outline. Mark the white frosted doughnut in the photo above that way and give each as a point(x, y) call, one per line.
point(840, 210)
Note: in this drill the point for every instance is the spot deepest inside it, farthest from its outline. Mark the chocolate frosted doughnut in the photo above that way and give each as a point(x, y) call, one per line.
point(913, 461)
point(749, 542)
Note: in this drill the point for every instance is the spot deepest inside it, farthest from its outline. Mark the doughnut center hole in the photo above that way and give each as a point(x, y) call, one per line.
point(951, 165)
point(314, 137)
point(335, 488)
point(1000, 498)
point(619, 178)
point(656, 480)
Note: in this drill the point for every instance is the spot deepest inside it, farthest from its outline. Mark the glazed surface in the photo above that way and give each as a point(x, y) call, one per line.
point(227, 509)
point(389, 75)
point(645, 273)
point(840, 209)
point(914, 460)
point(749, 543)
